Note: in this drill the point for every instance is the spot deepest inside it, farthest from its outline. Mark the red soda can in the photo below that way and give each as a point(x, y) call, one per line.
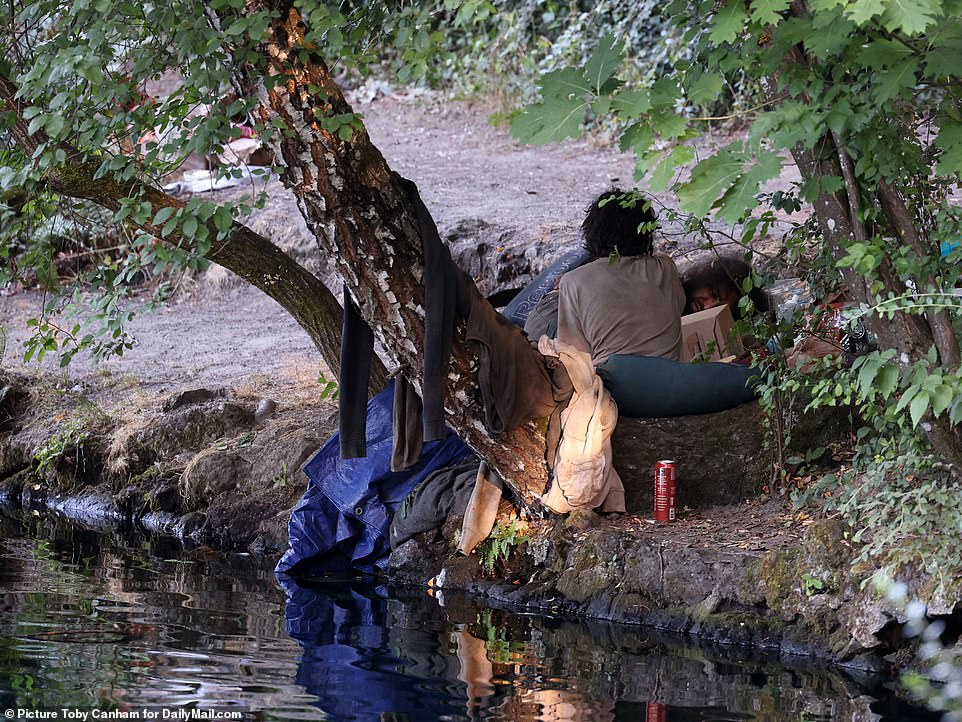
point(665, 479)
point(656, 712)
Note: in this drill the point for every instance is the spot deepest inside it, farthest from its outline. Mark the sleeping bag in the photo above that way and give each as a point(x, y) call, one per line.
point(651, 387)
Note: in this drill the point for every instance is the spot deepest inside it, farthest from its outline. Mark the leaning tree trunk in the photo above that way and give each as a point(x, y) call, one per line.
point(364, 222)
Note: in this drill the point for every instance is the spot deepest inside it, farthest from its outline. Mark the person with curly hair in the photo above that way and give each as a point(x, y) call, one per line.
point(628, 300)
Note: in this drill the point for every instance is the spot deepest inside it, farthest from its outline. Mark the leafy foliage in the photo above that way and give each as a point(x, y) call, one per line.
point(500, 54)
point(129, 92)
point(497, 548)
point(863, 94)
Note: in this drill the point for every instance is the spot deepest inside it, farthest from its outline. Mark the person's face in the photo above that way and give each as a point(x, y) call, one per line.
point(703, 298)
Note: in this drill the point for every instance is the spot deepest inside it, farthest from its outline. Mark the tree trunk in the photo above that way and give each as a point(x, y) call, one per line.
point(364, 222)
point(838, 218)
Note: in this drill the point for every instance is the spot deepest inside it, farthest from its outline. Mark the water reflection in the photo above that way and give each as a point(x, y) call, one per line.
point(92, 620)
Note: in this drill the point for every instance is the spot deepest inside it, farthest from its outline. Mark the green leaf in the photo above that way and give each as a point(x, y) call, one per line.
point(918, 407)
point(54, 125)
point(709, 180)
point(824, 42)
point(551, 120)
point(223, 219)
point(669, 124)
point(888, 380)
point(950, 141)
point(564, 84)
point(766, 12)
point(163, 214)
point(728, 22)
point(866, 376)
point(891, 83)
point(941, 398)
point(36, 124)
point(237, 27)
point(603, 63)
point(839, 116)
point(861, 11)
point(680, 156)
point(637, 138)
point(910, 16)
point(665, 93)
point(882, 54)
point(662, 175)
point(630, 104)
point(943, 56)
point(741, 197)
point(706, 89)
point(190, 226)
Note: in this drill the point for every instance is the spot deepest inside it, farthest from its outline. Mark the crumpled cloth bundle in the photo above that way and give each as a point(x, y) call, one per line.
point(584, 476)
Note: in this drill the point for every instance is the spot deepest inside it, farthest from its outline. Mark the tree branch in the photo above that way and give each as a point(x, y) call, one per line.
point(851, 188)
point(244, 252)
point(363, 218)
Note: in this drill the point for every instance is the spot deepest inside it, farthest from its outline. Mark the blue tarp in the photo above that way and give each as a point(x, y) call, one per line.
point(361, 664)
point(343, 520)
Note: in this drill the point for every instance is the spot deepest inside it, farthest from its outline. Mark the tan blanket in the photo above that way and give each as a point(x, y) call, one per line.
point(584, 477)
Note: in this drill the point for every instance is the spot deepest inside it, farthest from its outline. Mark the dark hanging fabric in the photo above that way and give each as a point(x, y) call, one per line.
point(513, 379)
point(441, 301)
point(408, 439)
point(357, 352)
point(514, 383)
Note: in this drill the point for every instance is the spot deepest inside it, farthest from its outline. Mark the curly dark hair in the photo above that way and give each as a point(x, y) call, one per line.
point(619, 222)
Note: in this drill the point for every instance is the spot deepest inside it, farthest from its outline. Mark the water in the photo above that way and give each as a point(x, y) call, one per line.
point(93, 620)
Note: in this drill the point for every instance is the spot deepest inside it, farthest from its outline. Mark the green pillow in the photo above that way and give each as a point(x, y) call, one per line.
point(651, 387)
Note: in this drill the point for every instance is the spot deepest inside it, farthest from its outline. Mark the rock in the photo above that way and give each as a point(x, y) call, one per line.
point(187, 428)
point(195, 396)
point(14, 397)
point(11, 488)
point(416, 560)
point(265, 409)
point(497, 258)
point(97, 509)
point(213, 472)
point(722, 458)
point(159, 522)
point(189, 523)
point(459, 572)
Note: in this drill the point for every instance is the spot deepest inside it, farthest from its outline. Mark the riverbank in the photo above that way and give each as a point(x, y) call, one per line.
point(141, 622)
point(219, 469)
